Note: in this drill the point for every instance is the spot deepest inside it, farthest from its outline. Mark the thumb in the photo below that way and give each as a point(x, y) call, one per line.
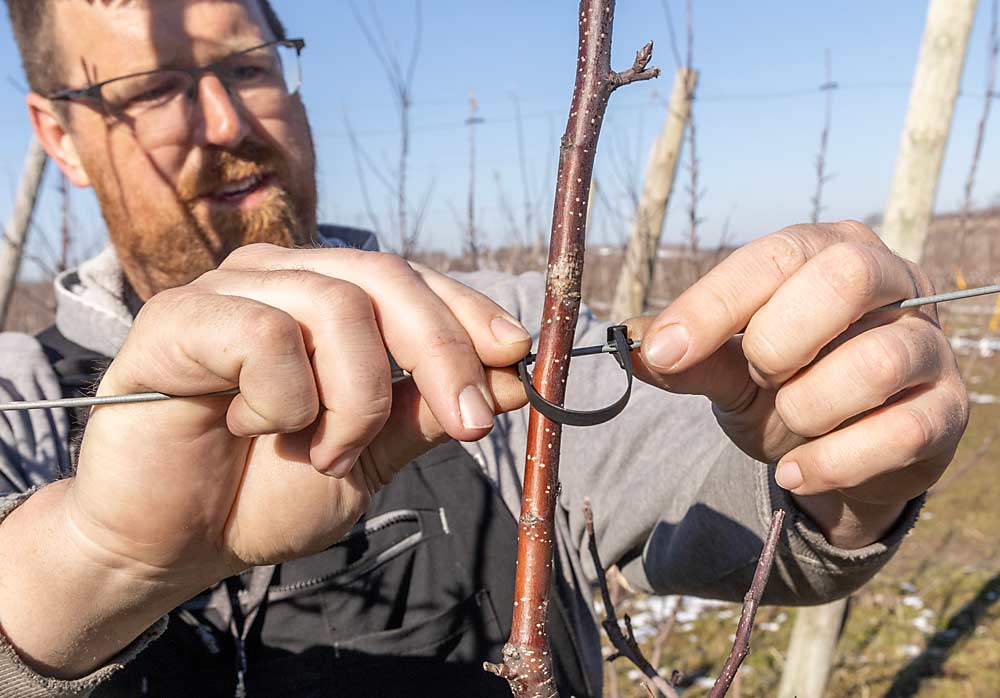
point(412, 429)
point(723, 376)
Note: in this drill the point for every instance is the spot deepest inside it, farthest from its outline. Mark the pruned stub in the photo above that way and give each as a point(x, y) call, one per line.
point(564, 275)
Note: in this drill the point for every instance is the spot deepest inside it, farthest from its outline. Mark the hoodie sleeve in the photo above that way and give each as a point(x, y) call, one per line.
point(34, 451)
point(34, 445)
point(676, 505)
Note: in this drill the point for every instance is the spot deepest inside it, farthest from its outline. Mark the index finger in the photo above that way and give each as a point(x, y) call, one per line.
point(721, 303)
point(420, 330)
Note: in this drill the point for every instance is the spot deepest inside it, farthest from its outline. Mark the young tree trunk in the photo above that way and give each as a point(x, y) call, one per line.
point(640, 256)
point(527, 660)
point(812, 650)
point(20, 221)
point(928, 122)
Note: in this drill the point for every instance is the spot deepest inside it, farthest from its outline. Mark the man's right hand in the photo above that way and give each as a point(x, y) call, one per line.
point(177, 495)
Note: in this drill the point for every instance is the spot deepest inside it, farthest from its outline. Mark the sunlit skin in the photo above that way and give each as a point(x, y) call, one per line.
point(162, 219)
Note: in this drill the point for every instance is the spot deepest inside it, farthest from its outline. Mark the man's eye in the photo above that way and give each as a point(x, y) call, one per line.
point(145, 92)
point(153, 94)
point(247, 73)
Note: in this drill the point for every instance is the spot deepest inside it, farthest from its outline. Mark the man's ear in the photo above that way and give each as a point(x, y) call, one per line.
point(56, 140)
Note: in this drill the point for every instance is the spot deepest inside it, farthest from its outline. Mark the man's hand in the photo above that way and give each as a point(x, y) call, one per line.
point(860, 413)
point(174, 496)
point(287, 466)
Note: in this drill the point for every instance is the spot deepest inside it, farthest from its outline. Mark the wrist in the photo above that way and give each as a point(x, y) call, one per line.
point(65, 609)
point(107, 548)
point(849, 523)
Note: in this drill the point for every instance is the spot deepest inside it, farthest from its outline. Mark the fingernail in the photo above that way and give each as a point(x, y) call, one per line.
point(343, 465)
point(789, 476)
point(507, 331)
point(667, 347)
point(476, 412)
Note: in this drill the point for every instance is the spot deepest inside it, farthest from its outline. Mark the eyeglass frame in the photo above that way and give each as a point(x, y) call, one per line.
point(92, 93)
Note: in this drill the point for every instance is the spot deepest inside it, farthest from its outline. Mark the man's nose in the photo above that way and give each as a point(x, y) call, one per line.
point(221, 122)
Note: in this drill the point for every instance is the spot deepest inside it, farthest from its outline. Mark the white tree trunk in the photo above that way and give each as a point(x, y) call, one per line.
point(811, 650)
point(640, 256)
point(928, 122)
point(20, 220)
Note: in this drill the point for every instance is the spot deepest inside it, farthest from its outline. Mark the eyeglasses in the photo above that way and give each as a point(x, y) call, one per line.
point(159, 104)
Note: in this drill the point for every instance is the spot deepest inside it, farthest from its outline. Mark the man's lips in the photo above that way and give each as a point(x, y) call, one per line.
point(235, 192)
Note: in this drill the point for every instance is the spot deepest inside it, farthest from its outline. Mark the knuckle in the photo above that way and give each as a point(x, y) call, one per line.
point(296, 415)
point(720, 299)
point(340, 300)
point(957, 409)
point(856, 230)
point(851, 271)
point(388, 265)
point(248, 255)
point(794, 414)
point(785, 250)
point(884, 364)
point(826, 471)
point(923, 283)
point(917, 429)
point(764, 355)
point(264, 326)
point(168, 298)
point(365, 422)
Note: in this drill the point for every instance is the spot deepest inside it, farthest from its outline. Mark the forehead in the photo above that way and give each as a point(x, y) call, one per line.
point(101, 39)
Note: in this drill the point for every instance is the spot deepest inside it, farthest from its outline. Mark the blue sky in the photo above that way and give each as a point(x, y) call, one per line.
point(759, 112)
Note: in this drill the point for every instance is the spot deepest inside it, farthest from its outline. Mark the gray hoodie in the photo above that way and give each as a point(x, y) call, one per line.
point(677, 506)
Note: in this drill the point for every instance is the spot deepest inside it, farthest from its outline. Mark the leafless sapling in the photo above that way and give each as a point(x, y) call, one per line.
point(822, 176)
point(993, 48)
point(527, 660)
point(400, 79)
point(472, 242)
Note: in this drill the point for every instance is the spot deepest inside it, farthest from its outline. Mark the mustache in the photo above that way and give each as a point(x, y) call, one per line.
point(220, 168)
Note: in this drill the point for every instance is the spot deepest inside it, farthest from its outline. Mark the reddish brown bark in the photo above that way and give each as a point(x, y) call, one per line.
point(741, 645)
point(527, 662)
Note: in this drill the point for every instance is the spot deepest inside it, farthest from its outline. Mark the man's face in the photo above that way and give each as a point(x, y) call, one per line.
point(236, 174)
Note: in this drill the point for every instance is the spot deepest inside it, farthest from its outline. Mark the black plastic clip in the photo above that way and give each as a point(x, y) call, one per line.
point(619, 346)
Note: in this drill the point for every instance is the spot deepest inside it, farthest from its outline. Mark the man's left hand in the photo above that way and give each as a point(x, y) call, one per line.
point(861, 413)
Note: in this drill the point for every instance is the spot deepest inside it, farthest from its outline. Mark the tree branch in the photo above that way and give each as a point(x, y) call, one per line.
point(624, 642)
point(638, 70)
point(741, 646)
point(527, 658)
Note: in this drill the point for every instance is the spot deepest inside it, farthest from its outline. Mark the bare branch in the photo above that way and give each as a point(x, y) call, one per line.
point(638, 71)
point(625, 643)
point(527, 657)
point(970, 180)
point(741, 646)
point(418, 219)
point(418, 35)
point(359, 155)
point(514, 233)
point(689, 20)
point(472, 249)
point(401, 85)
point(821, 175)
point(673, 35)
point(694, 191)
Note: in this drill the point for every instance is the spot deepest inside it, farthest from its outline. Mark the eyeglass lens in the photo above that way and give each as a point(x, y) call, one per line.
point(160, 106)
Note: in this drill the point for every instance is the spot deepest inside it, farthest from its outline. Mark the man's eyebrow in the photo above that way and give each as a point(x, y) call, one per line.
point(221, 48)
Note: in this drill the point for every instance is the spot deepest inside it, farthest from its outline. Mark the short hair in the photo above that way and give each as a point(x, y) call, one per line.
point(31, 21)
